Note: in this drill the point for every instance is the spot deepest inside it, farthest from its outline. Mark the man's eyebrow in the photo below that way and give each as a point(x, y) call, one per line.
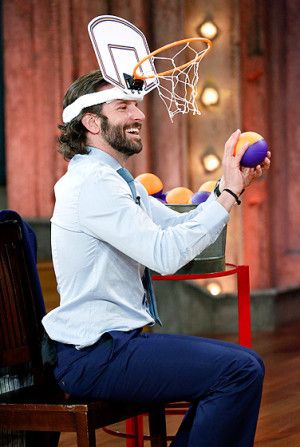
point(121, 101)
point(118, 102)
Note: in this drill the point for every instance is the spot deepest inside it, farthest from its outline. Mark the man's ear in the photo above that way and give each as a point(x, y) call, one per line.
point(91, 122)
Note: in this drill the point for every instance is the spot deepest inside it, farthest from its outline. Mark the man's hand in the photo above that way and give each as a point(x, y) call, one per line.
point(236, 177)
point(251, 174)
point(233, 177)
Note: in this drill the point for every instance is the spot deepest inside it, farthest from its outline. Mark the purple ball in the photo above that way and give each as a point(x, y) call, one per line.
point(157, 195)
point(199, 197)
point(255, 154)
point(161, 196)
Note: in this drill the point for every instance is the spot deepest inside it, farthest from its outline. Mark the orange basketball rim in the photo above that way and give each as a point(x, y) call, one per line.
point(198, 58)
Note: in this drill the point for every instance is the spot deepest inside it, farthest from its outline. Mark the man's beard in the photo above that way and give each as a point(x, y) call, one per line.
point(115, 136)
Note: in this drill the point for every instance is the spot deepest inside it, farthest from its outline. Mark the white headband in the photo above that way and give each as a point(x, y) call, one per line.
point(91, 99)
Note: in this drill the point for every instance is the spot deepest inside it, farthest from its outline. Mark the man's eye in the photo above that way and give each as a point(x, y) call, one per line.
point(123, 107)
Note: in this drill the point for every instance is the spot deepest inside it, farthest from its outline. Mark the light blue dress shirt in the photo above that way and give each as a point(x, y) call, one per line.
point(101, 240)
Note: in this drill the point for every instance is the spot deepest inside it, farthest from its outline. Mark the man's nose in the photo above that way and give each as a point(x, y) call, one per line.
point(137, 114)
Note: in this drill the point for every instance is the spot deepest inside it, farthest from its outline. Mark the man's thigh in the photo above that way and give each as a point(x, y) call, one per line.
point(163, 367)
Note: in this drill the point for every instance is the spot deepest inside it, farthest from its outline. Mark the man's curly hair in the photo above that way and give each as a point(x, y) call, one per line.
point(73, 134)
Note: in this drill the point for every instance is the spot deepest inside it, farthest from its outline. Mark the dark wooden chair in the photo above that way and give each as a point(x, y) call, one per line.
point(41, 409)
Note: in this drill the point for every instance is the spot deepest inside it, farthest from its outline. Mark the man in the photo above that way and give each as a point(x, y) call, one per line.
point(102, 239)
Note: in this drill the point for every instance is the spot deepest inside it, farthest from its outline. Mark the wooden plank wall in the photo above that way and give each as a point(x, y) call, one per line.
point(255, 112)
point(284, 97)
point(270, 93)
point(46, 47)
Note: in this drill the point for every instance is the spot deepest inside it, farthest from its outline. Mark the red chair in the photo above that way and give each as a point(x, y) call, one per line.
point(243, 295)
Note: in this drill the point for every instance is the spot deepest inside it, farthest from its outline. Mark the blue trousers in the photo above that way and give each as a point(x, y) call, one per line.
point(223, 381)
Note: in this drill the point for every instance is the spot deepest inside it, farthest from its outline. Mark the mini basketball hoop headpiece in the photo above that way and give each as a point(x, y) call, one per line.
point(126, 62)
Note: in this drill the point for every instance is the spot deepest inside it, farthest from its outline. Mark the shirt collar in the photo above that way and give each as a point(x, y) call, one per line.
point(103, 156)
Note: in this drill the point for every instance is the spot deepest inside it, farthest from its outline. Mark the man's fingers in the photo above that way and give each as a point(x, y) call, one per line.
point(231, 142)
point(258, 171)
point(266, 163)
point(241, 152)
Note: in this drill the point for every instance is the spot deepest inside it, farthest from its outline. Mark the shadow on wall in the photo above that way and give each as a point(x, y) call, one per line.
point(187, 308)
point(2, 198)
point(41, 227)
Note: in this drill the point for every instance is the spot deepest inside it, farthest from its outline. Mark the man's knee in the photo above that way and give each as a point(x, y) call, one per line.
point(251, 370)
point(258, 365)
point(258, 358)
point(261, 366)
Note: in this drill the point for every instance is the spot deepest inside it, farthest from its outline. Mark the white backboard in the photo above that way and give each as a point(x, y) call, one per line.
point(119, 46)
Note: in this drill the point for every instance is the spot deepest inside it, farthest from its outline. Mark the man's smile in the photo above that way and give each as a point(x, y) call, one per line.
point(133, 130)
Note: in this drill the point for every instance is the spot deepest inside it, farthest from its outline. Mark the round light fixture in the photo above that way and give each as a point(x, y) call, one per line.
point(210, 161)
point(214, 288)
point(208, 29)
point(209, 96)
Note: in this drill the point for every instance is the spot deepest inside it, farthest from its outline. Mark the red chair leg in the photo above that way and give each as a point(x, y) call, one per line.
point(244, 314)
point(135, 426)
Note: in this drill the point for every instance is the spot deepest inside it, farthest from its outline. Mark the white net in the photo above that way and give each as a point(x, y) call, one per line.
point(178, 90)
point(178, 74)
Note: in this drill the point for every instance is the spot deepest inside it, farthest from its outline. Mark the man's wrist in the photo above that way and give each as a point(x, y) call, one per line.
point(220, 187)
point(233, 194)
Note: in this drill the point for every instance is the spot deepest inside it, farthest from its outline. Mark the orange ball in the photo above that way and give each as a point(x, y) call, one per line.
point(246, 137)
point(179, 196)
point(151, 182)
point(208, 186)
